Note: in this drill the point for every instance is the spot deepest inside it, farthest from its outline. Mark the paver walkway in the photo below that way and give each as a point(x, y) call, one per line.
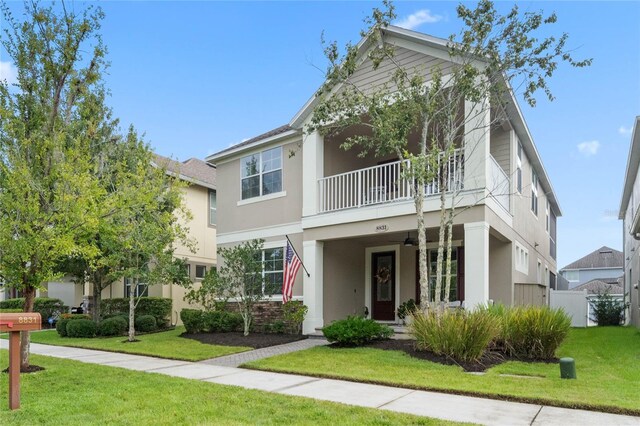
point(234, 360)
point(432, 404)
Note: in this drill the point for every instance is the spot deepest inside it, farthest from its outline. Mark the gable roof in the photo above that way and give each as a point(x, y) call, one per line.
point(192, 170)
point(439, 45)
point(604, 257)
point(633, 162)
point(599, 286)
point(260, 138)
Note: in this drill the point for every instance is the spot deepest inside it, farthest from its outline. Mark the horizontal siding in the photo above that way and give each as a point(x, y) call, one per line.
point(499, 147)
point(367, 79)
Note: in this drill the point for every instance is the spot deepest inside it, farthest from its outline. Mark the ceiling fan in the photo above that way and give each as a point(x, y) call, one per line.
point(409, 241)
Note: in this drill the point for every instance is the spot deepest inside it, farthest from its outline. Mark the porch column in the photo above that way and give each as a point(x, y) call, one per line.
point(312, 170)
point(312, 286)
point(476, 264)
point(477, 132)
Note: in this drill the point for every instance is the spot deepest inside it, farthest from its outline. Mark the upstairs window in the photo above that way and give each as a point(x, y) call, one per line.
point(261, 173)
point(212, 208)
point(201, 271)
point(547, 222)
point(141, 290)
point(519, 169)
point(572, 276)
point(534, 192)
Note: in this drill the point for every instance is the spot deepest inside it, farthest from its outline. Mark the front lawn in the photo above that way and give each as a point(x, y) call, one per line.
point(167, 344)
point(71, 392)
point(606, 362)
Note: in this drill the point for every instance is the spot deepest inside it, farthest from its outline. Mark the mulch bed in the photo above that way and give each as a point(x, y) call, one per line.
point(31, 369)
point(490, 359)
point(253, 340)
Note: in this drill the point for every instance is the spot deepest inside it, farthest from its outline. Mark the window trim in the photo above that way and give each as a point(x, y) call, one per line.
point(265, 272)
point(196, 272)
point(212, 225)
point(519, 168)
point(534, 192)
point(261, 173)
point(522, 259)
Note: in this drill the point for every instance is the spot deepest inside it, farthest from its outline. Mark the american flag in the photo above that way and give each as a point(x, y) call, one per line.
point(291, 266)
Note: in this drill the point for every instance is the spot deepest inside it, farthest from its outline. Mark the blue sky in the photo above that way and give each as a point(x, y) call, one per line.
point(199, 76)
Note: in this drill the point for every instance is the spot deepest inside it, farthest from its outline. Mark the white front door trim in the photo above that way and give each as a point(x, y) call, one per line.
point(368, 251)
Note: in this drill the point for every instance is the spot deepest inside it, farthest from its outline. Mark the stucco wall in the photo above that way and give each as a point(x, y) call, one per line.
point(262, 213)
point(344, 277)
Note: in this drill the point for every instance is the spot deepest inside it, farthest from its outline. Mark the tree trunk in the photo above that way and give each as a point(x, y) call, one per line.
point(97, 301)
point(132, 309)
point(25, 336)
point(246, 317)
point(447, 279)
point(422, 248)
point(443, 183)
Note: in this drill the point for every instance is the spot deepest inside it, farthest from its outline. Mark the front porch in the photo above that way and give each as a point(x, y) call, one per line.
point(372, 275)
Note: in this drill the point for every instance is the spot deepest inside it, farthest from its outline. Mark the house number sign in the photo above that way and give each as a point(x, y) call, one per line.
point(14, 323)
point(382, 228)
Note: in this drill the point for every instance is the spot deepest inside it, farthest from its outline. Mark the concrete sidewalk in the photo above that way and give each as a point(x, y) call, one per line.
point(431, 404)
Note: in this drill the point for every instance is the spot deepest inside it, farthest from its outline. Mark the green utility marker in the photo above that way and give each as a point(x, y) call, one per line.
point(567, 368)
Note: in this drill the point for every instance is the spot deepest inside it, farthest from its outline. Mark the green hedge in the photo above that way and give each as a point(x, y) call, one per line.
point(114, 326)
point(145, 323)
point(10, 311)
point(45, 306)
point(81, 328)
point(356, 331)
point(193, 320)
point(158, 307)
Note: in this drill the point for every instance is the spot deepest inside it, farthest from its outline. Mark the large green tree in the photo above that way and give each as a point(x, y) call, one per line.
point(494, 58)
point(51, 121)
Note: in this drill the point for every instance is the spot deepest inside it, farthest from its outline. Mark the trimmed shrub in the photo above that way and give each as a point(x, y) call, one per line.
point(193, 320)
point(61, 327)
point(81, 328)
point(145, 323)
point(461, 335)
point(607, 310)
point(534, 332)
point(221, 321)
point(114, 326)
point(276, 327)
point(356, 331)
point(406, 309)
point(10, 311)
point(45, 306)
point(158, 307)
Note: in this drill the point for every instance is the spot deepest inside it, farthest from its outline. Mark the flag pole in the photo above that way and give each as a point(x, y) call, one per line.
point(294, 250)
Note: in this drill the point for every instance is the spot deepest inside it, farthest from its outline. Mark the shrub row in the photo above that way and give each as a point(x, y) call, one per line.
point(356, 331)
point(77, 326)
point(158, 307)
point(528, 332)
point(45, 306)
point(197, 321)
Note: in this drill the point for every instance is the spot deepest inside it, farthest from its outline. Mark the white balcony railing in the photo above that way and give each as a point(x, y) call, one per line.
point(498, 184)
point(380, 184)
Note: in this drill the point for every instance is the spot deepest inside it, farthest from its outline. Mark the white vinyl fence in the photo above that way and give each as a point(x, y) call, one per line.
point(574, 304)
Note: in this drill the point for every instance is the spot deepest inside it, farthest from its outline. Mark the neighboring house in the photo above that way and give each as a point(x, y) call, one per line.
point(200, 200)
point(597, 287)
point(629, 213)
point(604, 263)
point(353, 220)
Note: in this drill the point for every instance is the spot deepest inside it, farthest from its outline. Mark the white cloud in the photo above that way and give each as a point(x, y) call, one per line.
point(589, 148)
point(624, 130)
point(8, 72)
point(423, 16)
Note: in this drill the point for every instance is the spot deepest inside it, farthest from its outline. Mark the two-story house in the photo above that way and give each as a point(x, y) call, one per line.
point(630, 215)
point(604, 264)
point(352, 218)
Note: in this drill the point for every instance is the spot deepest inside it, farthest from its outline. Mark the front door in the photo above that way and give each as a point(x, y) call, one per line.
point(383, 285)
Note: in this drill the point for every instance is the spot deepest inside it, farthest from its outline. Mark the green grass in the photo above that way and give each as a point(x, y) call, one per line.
point(70, 392)
point(167, 344)
point(607, 363)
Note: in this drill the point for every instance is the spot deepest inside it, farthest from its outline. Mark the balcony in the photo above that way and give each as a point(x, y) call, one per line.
point(384, 183)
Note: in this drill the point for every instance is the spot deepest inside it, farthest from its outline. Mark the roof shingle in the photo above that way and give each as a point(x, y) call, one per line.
point(604, 257)
point(599, 286)
point(193, 169)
